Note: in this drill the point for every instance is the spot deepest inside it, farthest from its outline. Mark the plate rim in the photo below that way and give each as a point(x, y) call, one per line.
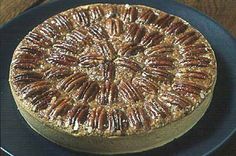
point(41, 6)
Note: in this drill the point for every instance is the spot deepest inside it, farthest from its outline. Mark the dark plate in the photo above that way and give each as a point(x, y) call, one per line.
point(217, 125)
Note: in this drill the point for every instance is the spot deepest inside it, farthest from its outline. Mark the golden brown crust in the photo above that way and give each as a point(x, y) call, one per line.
point(112, 70)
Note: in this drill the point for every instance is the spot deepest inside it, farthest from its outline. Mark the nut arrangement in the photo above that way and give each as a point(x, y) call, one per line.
point(113, 69)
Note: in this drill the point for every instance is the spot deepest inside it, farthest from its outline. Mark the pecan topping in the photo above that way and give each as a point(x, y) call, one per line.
point(117, 121)
point(188, 87)
point(77, 115)
point(98, 32)
point(159, 50)
point(156, 108)
point(135, 33)
point(147, 16)
point(96, 12)
point(35, 88)
point(138, 118)
point(25, 64)
point(160, 62)
point(187, 38)
point(80, 16)
point(62, 59)
point(151, 39)
point(27, 77)
point(195, 62)
point(145, 85)
point(175, 99)
point(108, 93)
point(107, 50)
point(114, 26)
point(73, 81)
point(129, 49)
point(164, 21)
point(97, 118)
point(129, 14)
point(194, 50)
point(89, 60)
point(129, 92)
point(57, 72)
point(176, 28)
point(128, 63)
point(111, 11)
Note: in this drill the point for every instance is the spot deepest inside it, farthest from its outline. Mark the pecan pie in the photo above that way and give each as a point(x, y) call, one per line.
point(108, 78)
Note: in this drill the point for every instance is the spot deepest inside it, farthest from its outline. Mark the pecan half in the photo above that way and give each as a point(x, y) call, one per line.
point(77, 115)
point(98, 32)
point(176, 28)
point(129, 92)
point(42, 101)
point(114, 26)
point(175, 99)
point(107, 50)
point(128, 63)
point(37, 38)
point(117, 121)
point(129, 49)
point(87, 91)
point(78, 36)
point(158, 74)
point(145, 85)
point(194, 74)
point(57, 107)
point(195, 62)
point(108, 70)
point(27, 77)
point(151, 39)
point(108, 93)
point(188, 38)
point(62, 59)
point(73, 81)
point(164, 21)
point(57, 72)
point(160, 62)
point(35, 88)
point(129, 14)
point(97, 118)
point(96, 12)
point(25, 64)
point(61, 23)
point(65, 47)
point(188, 87)
point(147, 16)
point(156, 108)
point(33, 50)
point(159, 50)
point(194, 50)
point(80, 16)
point(135, 33)
point(138, 118)
point(89, 60)
point(49, 31)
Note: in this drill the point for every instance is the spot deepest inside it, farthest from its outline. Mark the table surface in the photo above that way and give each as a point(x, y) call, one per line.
point(223, 11)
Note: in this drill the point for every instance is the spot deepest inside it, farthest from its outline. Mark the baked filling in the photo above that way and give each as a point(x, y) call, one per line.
point(112, 70)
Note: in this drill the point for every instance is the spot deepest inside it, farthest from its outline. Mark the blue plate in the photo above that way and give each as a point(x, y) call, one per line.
point(217, 125)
